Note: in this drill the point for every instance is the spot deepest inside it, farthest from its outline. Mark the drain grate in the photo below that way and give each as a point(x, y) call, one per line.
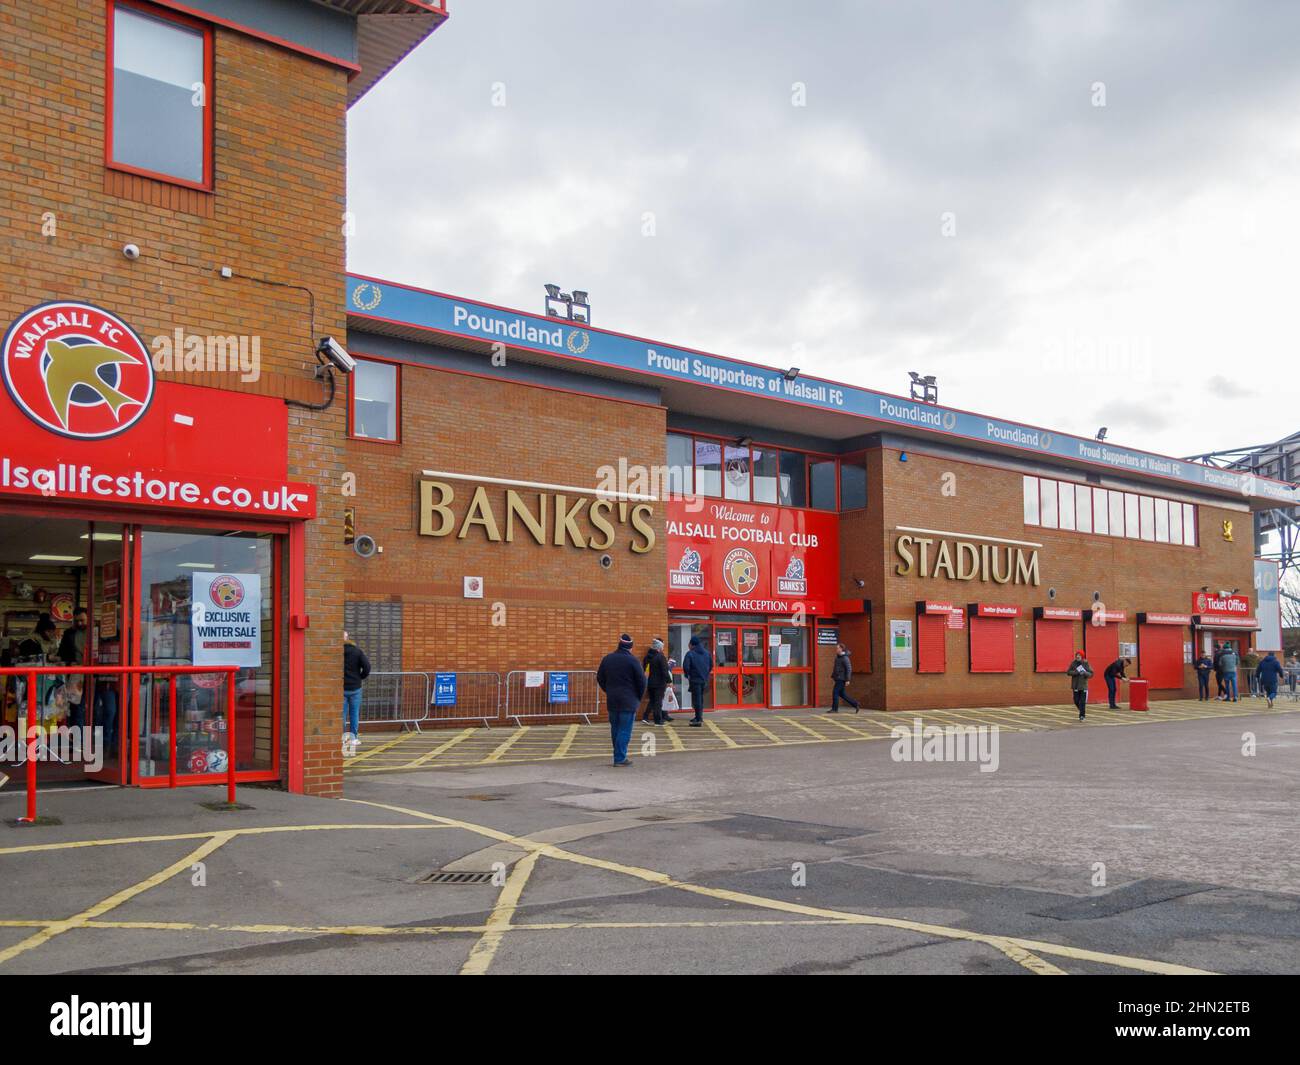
point(483, 797)
point(439, 876)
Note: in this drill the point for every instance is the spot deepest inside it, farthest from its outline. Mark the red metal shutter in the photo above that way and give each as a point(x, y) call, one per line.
point(992, 645)
point(1101, 646)
point(931, 635)
point(1160, 655)
point(1054, 645)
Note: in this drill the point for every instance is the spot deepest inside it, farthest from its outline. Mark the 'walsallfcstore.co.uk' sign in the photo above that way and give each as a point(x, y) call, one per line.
point(462, 318)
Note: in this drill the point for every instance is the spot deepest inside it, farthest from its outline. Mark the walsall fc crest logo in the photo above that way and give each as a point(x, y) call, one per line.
point(740, 571)
point(226, 592)
point(77, 370)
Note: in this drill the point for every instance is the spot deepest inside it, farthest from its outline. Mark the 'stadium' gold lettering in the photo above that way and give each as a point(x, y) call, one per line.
point(901, 545)
point(984, 562)
point(964, 551)
point(515, 507)
point(566, 527)
point(480, 513)
point(924, 544)
point(999, 577)
point(428, 508)
point(942, 560)
point(641, 515)
point(1026, 572)
point(599, 509)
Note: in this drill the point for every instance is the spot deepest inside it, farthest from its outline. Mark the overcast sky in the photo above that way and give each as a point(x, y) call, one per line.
point(1131, 265)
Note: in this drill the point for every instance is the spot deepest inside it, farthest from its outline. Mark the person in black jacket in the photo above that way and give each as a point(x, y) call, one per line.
point(1204, 666)
point(1112, 675)
point(840, 673)
point(697, 665)
point(622, 679)
point(356, 668)
point(658, 677)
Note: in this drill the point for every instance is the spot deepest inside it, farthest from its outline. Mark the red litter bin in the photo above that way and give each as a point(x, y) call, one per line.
point(1137, 694)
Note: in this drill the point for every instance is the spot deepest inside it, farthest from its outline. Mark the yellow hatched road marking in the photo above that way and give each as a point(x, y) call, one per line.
point(563, 748)
point(720, 734)
point(370, 752)
point(495, 755)
point(828, 720)
point(498, 922)
point(766, 732)
point(800, 725)
point(675, 738)
point(461, 738)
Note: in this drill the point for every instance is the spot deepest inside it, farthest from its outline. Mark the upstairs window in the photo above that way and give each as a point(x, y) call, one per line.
point(375, 396)
point(159, 95)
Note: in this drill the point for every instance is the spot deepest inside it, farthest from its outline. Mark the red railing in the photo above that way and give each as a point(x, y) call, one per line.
point(33, 714)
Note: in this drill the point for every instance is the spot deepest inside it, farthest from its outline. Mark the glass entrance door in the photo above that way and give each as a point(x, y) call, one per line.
point(743, 680)
point(110, 617)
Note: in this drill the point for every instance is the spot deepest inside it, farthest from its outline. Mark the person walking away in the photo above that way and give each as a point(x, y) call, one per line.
point(1080, 673)
point(840, 674)
point(1113, 674)
point(356, 668)
point(623, 681)
point(657, 680)
point(1228, 663)
point(1269, 672)
point(72, 652)
point(697, 665)
point(1204, 667)
point(1218, 669)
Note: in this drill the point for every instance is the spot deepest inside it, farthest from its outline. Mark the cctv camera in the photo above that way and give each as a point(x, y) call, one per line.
point(131, 251)
point(365, 546)
point(337, 354)
point(606, 561)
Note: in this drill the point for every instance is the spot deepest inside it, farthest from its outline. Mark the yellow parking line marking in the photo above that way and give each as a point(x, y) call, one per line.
point(370, 752)
point(766, 732)
point(550, 850)
point(828, 720)
point(113, 901)
point(712, 727)
point(675, 738)
point(460, 738)
point(565, 743)
point(496, 755)
point(498, 922)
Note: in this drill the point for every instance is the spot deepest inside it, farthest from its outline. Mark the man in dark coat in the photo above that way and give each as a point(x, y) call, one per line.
point(1080, 673)
point(1204, 666)
point(356, 668)
point(622, 679)
point(658, 677)
point(697, 665)
point(1269, 672)
point(840, 674)
point(1113, 674)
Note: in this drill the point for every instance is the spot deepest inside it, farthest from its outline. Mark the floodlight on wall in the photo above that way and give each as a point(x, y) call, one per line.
point(791, 373)
point(576, 307)
point(926, 389)
point(1101, 433)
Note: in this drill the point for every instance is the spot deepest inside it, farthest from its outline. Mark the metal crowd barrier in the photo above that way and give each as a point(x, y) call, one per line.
point(560, 693)
point(395, 699)
point(1288, 685)
point(471, 697)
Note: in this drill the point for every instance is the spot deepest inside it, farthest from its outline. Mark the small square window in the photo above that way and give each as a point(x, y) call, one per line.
point(375, 400)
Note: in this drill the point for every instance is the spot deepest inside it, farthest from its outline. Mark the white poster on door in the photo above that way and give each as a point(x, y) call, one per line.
point(226, 619)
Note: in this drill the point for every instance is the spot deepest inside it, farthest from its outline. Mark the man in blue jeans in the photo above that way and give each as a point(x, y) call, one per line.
point(356, 668)
point(623, 681)
point(1228, 664)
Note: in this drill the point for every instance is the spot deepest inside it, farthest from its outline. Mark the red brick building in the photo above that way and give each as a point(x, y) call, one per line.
point(962, 559)
point(172, 239)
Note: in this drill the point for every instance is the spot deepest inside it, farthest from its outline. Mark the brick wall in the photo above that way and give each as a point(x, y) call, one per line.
point(1131, 575)
point(543, 605)
point(276, 214)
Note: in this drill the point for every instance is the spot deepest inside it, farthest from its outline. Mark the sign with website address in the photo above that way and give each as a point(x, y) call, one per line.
point(445, 314)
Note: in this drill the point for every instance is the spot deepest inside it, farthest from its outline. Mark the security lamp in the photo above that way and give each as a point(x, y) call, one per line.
point(916, 377)
point(553, 291)
point(579, 296)
point(791, 373)
point(926, 389)
point(1101, 433)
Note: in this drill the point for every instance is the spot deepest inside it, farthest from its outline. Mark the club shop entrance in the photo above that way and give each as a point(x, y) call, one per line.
point(88, 591)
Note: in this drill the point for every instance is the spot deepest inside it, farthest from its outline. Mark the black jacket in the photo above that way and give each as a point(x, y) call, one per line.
point(356, 667)
point(1116, 669)
point(659, 675)
point(622, 680)
point(842, 669)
